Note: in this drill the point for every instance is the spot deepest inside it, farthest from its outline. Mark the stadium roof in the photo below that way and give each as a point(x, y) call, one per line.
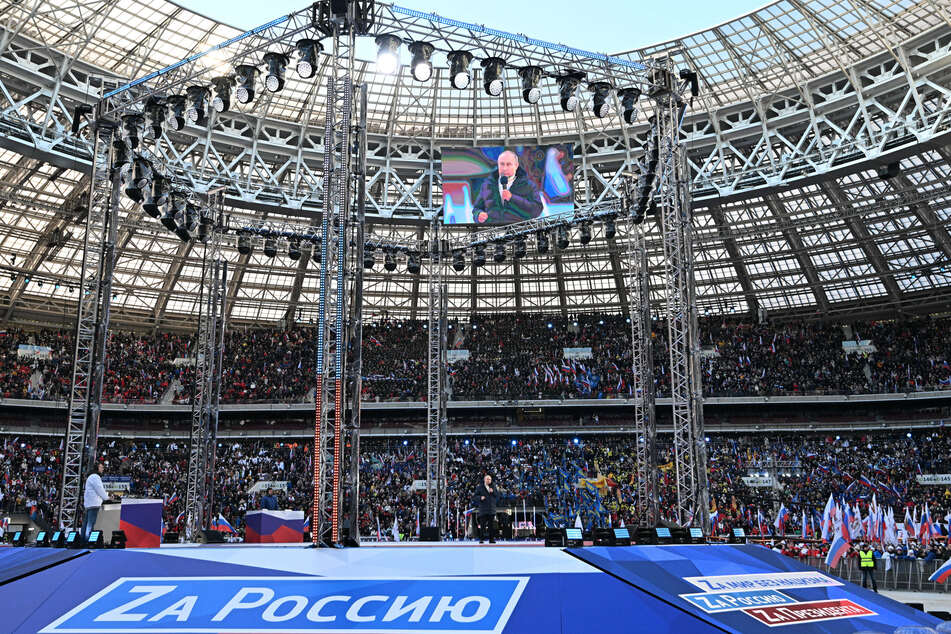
point(803, 105)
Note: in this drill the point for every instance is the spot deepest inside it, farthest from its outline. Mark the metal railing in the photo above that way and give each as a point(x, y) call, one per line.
point(902, 574)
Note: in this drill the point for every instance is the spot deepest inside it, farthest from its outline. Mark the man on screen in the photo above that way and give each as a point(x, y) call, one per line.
point(508, 195)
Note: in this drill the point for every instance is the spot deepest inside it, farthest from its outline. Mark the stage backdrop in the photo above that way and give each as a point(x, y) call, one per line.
point(542, 185)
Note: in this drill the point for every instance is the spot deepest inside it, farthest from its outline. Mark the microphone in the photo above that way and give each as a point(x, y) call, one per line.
point(504, 182)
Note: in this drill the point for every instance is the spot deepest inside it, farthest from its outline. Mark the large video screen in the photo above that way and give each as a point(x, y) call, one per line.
point(498, 185)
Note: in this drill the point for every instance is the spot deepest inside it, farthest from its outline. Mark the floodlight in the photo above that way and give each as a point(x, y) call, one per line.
point(222, 87)
point(629, 97)
point(561, 237)
point(478, 256)
point(307, 50)
point(245, 74)
point(422, 65)
point(244, 243)
point(584, 236)
point(499, 255)
point(159, 196)
point(132, 125)
point(519, 250)
point(189, 222)
point(270, 247)
point(492, 75)
point(156, 112)
point(458, 261)
point(568, 87)
point(204, 227)
point(389, 261)
point(530, 75)
point(388, 53)
point(176, 116)
point(369, 257)
point(196, 110)
point(140, 181)
point(610, 229)
point(120, 155)
point(413, 263)
point(459, 74)
point(174, 210)
point(542, 242)
point(276, 68)
point(602, 98)
point(293, 249)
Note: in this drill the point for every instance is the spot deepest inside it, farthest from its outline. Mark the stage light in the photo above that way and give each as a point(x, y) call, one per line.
point(175, 209)
point(542, 243)
point(222, 87)
point(691, 77)
point(189, 221)
point(276, 68)
point(156, 112)
point(492, 75)
point(369, 257)
point(244, 243)
point(120, 155)
point(158, 198)
point(196, 112)
point(610, 229)
point(205, 224)
point(140, 181)
point(568, 87)
point(519, 249)
point(629, 97)
point(389, 261)
point(270, 247)
point(293, 249)
point(530, 75)
point(584, 236)
point(561, 237)
point(245, 75)
point(176, 116)
point(307, 50)
point(422, 65)
point(95, 539)
point(478, 255)
point(131, 125)
point(601, 105)
point(459, 74)
point(458, 261)
point(387, 53)
point(413, 263)
point(499, 255)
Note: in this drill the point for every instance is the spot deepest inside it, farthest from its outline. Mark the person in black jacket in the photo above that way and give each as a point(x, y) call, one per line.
point(508, 195)
point(485, 499)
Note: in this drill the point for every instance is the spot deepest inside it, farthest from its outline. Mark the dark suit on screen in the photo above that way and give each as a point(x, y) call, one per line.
point(526, 202)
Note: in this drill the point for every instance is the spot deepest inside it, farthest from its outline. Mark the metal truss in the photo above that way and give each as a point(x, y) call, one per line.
point(209, 351)
point(92, 324)
point(673, 205)
point(437, 422)
point(642, 384)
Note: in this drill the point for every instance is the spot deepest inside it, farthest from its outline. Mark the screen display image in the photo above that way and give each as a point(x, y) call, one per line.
point(41, 536)
point(94, 536)
point(71, 537)
point(663, 531)
point(498, 185)
point(56, 536)
point(621, 533)
point(573, 533)
point(696, 533)
point(739, 532)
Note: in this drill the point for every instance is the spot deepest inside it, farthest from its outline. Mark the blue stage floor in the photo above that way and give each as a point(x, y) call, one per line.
point(433, 588)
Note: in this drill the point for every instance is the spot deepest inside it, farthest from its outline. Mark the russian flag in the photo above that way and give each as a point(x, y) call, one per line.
point(179, 517)
point(172, 499)
point(838, 548)
point(909, 526)
point(864, 480)
point(942, 574)
point(307, 523)
point(221, 524)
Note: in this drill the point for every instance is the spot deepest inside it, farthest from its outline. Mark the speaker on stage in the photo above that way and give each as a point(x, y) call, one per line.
point(429, 534)
point(171, 537)
point(604, 537)
point(555, 537)
point(645, 535)
point(212, 537)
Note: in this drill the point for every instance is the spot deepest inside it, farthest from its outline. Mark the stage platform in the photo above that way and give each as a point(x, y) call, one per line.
point(445, 587)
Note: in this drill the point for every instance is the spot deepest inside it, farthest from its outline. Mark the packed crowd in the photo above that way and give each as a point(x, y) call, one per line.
point(544, 480)
point(503, 357)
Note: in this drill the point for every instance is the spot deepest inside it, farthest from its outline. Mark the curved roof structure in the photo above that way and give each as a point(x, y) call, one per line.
point(803, 106)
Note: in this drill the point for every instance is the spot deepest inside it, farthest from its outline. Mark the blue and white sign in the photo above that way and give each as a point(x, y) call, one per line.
point(714, 602)
point(314, 605)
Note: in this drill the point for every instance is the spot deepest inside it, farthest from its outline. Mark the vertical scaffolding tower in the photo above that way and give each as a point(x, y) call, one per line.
point(436, 417)
point(92, 322)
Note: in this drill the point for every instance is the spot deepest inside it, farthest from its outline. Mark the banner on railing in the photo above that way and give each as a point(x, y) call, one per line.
point(116, 483)
point(264, 485)
point(758, 481)
point(34, 352)
point(934, 479)
point(865, 346)
point(453, 356)
point(576, 353)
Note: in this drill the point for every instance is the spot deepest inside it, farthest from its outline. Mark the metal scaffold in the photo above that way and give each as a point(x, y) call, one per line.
point(92, 321)
point(436, 417)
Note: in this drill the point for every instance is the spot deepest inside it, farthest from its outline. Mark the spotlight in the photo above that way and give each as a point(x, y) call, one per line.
point(478, 256)
point(175, 208)
point(245, 74)
point(197, 109)
point(499, 255)
point(270, 247)
point(131, 123)
point(413, 263)
point(120, 155)
point(629, 97)
point(189, 221)
point(542, 243)
point(141, 177)
point(293, 249)
point(492, 75)
point(602, 98)
point(276, 67)
point(389, 261)
point(307, 50)
point(369, 257)
point(244, 243)
point(458, 261)
point(388, 53)
point(691, 77)
point(610, 229)
point(156, 112)
point(159, 196)
point(561, 237)
point(459, 69)
point(204, 228)
point(530, 75)
point(176, 118)
point(422, 65)
point(222, 86)
point(568, 87)
point(519, 250)
point(585, 234)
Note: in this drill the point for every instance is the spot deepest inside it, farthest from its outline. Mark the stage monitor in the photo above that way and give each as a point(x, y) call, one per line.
point(57, 541)
point(496, 185)
point(663, 533)
point(71, 539)
point(42, 538)
point(574, 537)
point(622, 537)
point(19, 538)
point(739, 533)
point(95, 540)
point(696, 535)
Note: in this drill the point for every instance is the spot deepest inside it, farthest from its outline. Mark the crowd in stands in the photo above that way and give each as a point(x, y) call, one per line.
point(550, 480)
point(509, 357)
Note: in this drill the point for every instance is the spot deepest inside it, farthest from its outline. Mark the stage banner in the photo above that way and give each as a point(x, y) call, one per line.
point(274, 527)
point(116, 483)
point(142, 522)
point(576, 353)
point(758, 481)
point(452, 356)
point(934, 479)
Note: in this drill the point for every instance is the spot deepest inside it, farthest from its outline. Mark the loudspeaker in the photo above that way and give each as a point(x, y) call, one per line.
point(119, 539)
point(555, 537)
point(645, 535)
point(171, 537)
point(429, 534)
point(212, 537)
point(604, 537)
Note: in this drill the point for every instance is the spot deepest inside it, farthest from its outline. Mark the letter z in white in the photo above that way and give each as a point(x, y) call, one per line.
point(121, 613)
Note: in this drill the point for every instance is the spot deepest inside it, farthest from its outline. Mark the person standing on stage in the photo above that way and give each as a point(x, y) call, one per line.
point(93, 496)
point(485, 499)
